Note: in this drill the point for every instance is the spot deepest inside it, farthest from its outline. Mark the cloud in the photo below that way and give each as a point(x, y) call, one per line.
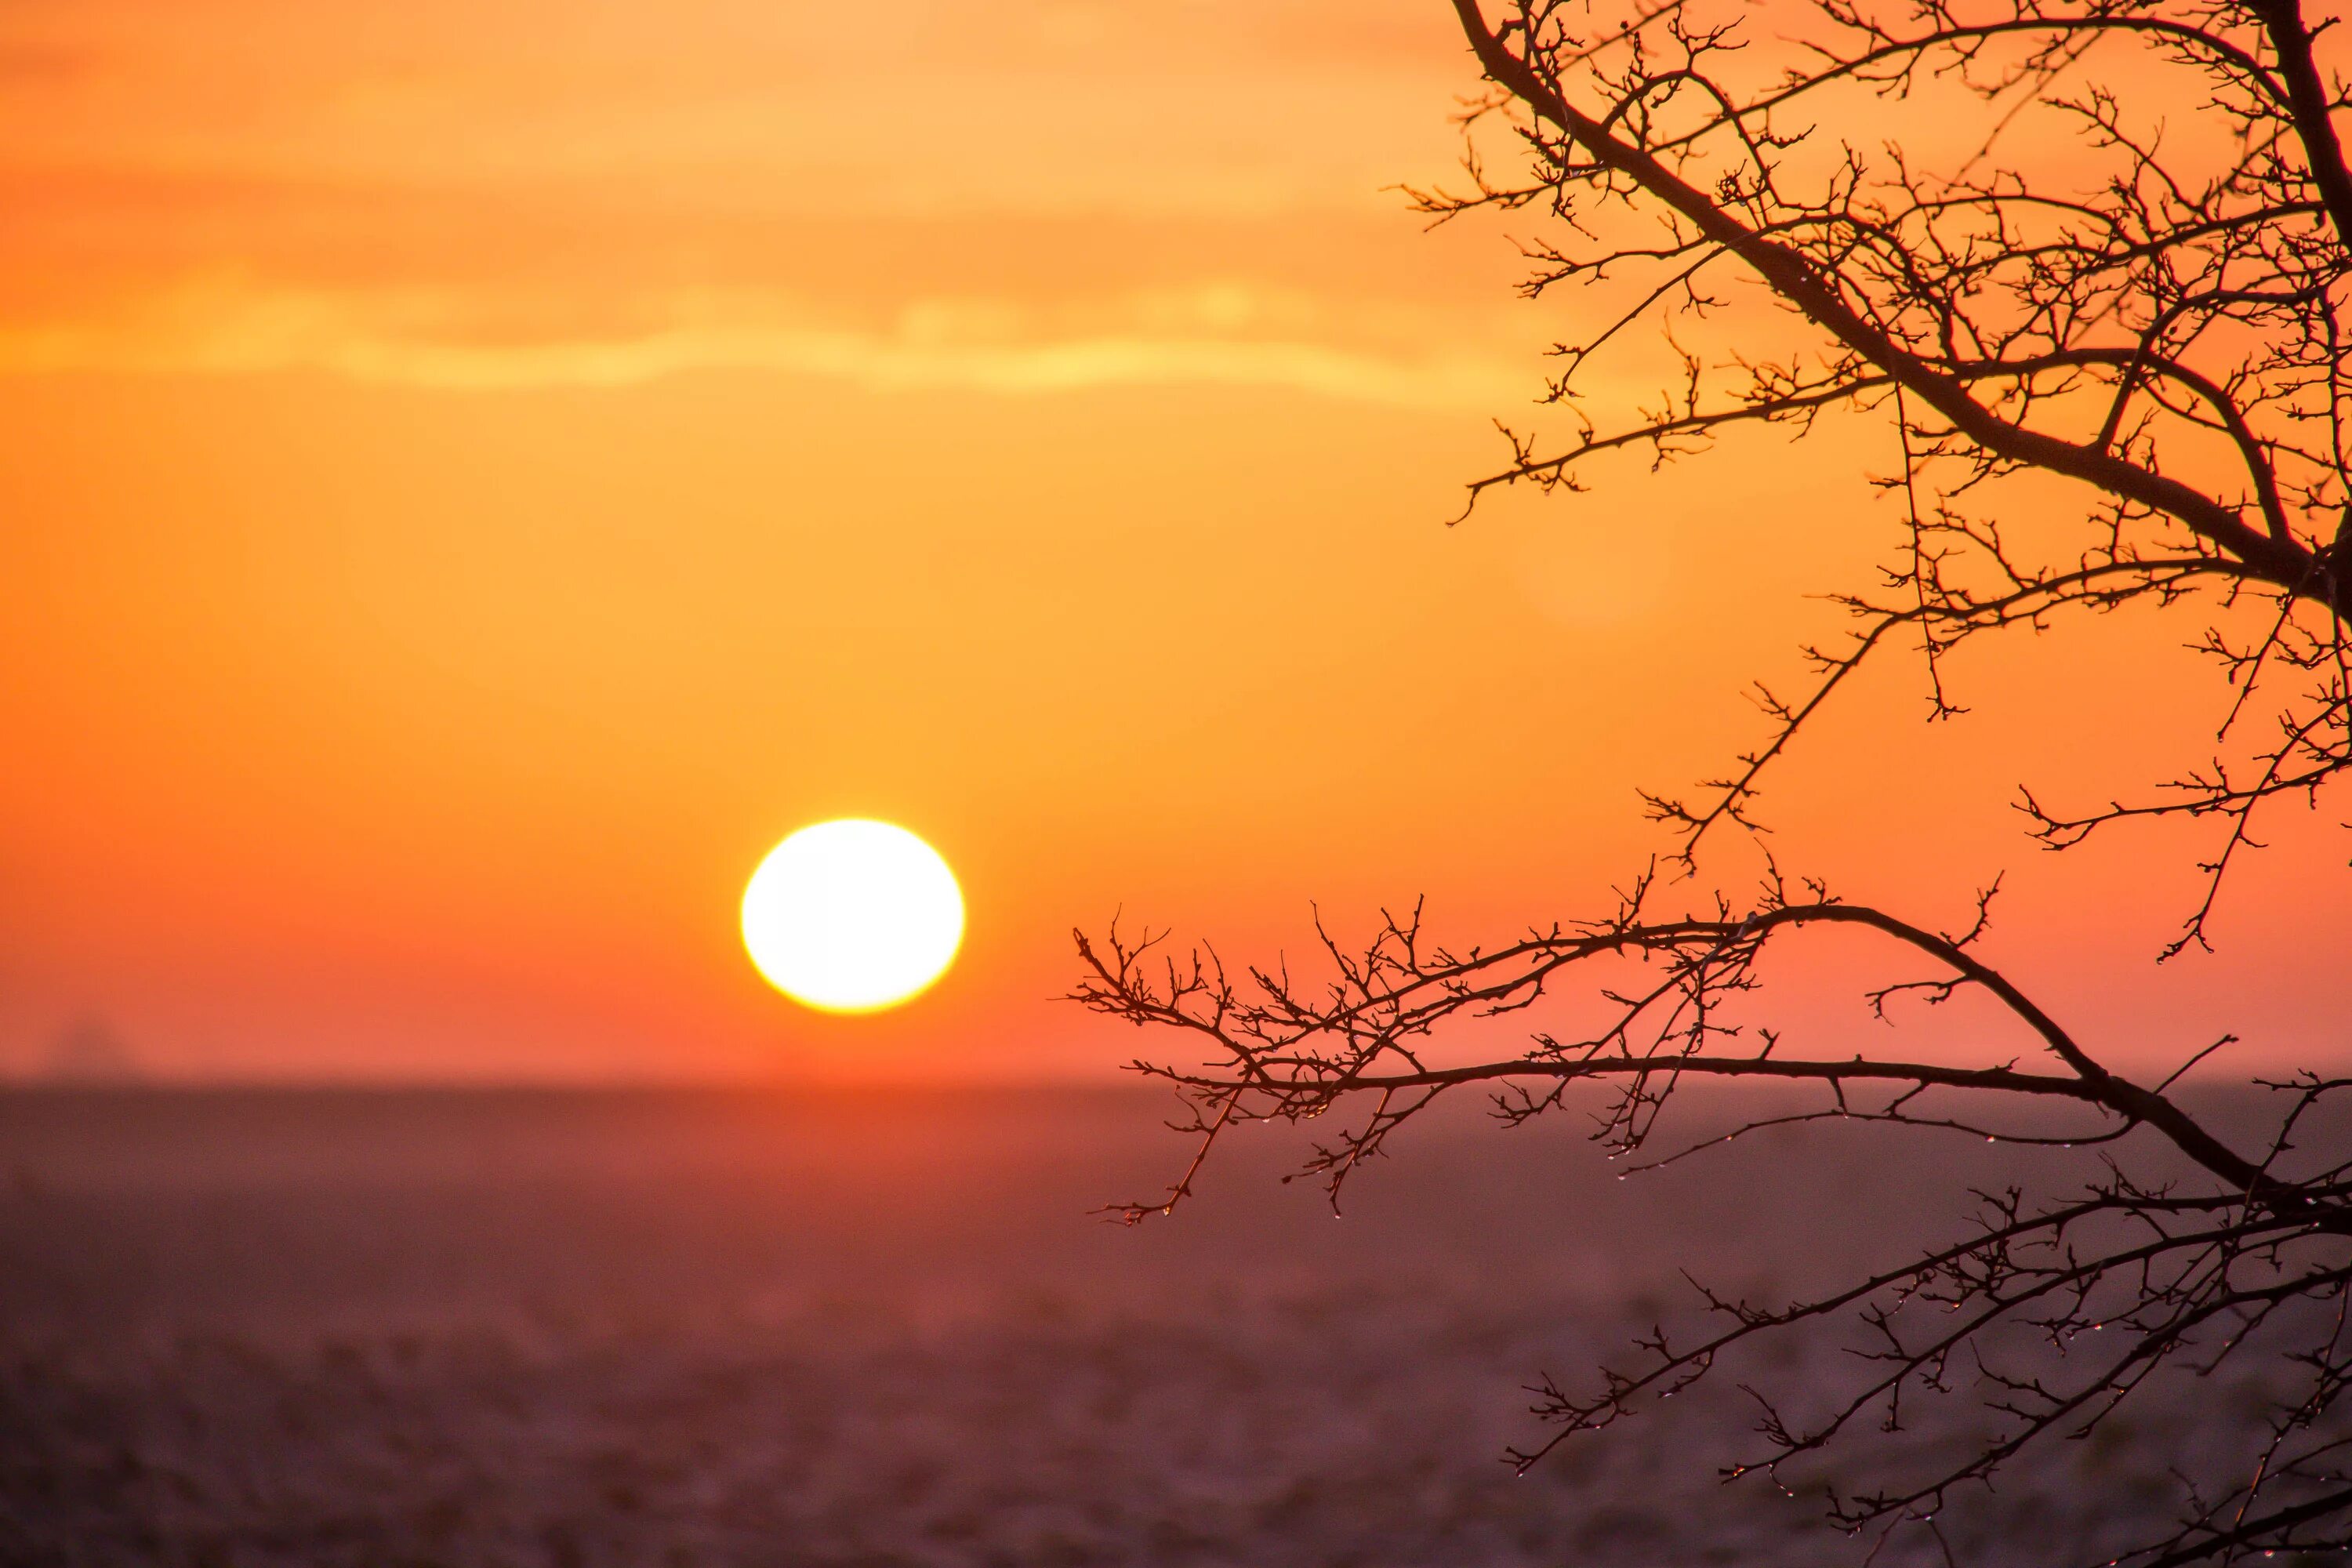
point(994, 346)
point(1048, 195)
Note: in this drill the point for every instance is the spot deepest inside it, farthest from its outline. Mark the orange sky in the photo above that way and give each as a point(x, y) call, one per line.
point(472, 477)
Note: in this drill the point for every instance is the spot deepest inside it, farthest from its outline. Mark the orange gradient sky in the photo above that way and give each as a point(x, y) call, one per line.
point(472, 478)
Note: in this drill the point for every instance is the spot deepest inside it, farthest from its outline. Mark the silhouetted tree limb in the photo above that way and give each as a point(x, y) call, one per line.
point(2121, 339)
point(2153, 1268)
point(2162, 334)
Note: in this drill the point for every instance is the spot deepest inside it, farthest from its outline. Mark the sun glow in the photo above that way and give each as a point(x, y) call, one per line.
point(853, 916)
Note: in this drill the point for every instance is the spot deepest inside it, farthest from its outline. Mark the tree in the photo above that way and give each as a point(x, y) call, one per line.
point(2113, 309)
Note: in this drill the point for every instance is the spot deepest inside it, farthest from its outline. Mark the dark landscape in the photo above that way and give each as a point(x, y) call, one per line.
point(547, 1327)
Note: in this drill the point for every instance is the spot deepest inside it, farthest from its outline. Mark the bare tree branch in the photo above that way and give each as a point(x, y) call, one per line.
point(2162, 334)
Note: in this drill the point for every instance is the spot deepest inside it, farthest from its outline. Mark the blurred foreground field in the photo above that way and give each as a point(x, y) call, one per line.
point(740, 1327)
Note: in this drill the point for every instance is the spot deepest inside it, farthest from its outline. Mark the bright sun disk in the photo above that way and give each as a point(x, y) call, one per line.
point(853, 916)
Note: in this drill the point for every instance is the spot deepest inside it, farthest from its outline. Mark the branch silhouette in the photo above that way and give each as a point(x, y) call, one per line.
point(2159, 339)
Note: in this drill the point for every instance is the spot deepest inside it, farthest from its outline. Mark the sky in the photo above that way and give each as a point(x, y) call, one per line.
point(472, 478)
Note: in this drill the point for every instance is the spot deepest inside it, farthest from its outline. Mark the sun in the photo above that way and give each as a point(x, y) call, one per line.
point(853, 916)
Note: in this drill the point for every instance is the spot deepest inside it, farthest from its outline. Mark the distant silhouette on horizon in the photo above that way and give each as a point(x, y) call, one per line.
point(92, 1051)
